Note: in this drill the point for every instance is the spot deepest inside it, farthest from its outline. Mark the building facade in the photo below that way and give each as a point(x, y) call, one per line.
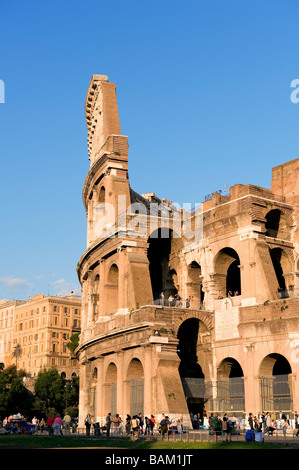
point(41, 327)
point(185, 311)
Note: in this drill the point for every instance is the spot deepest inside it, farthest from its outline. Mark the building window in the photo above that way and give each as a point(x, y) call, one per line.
point(65, 309)
point(55, 308)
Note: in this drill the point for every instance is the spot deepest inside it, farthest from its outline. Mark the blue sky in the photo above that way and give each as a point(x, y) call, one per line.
point(203, 92)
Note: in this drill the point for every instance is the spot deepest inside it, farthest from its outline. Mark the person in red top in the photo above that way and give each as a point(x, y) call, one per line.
point(49, 424)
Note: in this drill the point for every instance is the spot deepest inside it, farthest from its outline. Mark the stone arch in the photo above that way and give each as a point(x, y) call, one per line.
point(160, 251)
point(110, 388)
point(102, 195)
point(135, 386)
point(274, 363)
point(227, 272)
point(95, 295)
point(276, 223)
point(276, 383)
point(230, 386)
point(194, 282)
point(112, 289)
point(205, 317)
point(229, 368)
point(191, 335)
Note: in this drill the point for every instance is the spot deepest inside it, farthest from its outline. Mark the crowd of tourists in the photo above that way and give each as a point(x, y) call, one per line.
point(135, 425)
point(177, 301)
point(56, 425)
point(263, 423)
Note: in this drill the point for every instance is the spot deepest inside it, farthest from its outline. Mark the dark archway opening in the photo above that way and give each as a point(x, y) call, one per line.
point(233, 279)
point(227, 268)
point(272, 223)
point(158, 255)
point(192, 377)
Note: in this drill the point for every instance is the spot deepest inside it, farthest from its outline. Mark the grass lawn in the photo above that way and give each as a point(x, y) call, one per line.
point(46, 442)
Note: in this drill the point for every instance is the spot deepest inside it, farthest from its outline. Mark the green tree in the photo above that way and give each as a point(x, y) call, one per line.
point(14, 397)
point(49, 388)
point(73, 343)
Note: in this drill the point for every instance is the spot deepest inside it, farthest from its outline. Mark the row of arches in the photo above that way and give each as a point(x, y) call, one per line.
point(133, 384)
point(229, 392)
point(162, 254)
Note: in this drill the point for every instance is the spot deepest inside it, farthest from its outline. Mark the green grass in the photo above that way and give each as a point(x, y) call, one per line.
point(43, 442)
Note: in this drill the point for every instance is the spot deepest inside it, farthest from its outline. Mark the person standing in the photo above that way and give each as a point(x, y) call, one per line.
point(116, 425)
point(165, 423)
point(217, 424)
point(108, 424)
point(67, 424)
point(57, 425)
point(42, 425)
point(88, 424)
point(141, 423)
point(50, 422)
point(225, 426)
point(285, 426)
point(152, 424)
point(128, 425)
point(297, 423)
point(34, 422)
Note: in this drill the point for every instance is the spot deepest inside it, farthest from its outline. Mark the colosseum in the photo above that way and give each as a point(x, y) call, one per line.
point(185, 310)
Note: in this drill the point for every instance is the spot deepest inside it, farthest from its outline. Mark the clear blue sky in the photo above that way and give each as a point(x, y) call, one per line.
point(203, 92)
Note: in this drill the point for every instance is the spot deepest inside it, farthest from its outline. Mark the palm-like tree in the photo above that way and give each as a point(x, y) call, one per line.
point(17, 352)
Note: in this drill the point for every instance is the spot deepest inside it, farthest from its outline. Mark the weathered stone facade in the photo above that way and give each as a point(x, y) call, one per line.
point(208, 349)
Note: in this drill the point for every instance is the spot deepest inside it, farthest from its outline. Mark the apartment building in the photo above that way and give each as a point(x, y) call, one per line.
point(41, 328)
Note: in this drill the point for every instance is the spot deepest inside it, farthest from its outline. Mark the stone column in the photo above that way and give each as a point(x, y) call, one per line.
point(148, 382)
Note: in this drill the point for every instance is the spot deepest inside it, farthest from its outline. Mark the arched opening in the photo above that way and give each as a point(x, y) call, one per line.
point(135, 392)
point(276, 384)
point(95, 296)
point(230, 388)
point(192, 376)
point(112, 289)
point(102, 195)
point(110, 389)
point(161, 274)
point(227, 272)
point(272, 223)
point(194, 284)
